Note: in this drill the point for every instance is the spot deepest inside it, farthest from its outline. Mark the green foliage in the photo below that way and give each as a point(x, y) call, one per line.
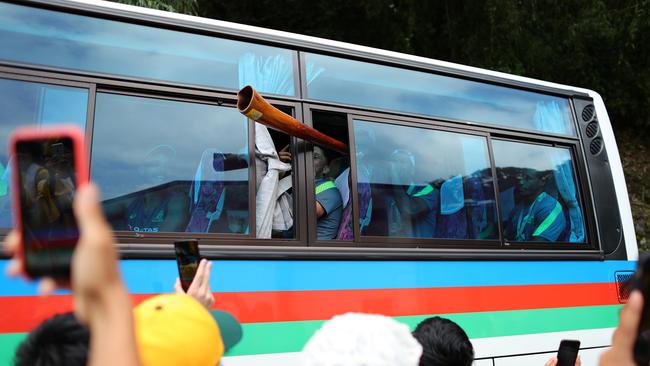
point(634, 149)
point(189, 7)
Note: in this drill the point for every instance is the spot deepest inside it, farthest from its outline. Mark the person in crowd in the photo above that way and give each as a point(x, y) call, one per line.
point(59, 340)
point(411, 207)
point(537, 216)
point(329, 204)
point(621, 353)
point(444, 343)
point(152, 334)
point(355, 339)
point(100, 297)
point(553, 361)
point(157, 208)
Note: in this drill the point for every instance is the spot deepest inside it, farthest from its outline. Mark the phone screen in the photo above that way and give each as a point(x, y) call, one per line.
point(187, 258)
point(642, 282)
point(568, 352)
point(47, 182)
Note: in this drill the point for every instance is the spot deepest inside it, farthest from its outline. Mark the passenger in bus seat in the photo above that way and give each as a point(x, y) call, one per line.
point(537, 215)
point(329, 205)
point(207, 192)
point(411, 207)
point(161, 206)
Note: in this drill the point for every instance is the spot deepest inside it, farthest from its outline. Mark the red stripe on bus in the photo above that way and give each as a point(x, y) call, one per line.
point(254, 307)
point(23, 313)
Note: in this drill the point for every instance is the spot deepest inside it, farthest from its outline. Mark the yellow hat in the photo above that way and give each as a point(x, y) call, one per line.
point(176, 330)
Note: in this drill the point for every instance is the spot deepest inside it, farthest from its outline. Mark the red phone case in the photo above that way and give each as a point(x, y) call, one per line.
point(30, 133)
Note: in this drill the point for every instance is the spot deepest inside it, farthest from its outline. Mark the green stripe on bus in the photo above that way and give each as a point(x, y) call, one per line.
point(291, 336)
point(548, 220)
point(8, 344)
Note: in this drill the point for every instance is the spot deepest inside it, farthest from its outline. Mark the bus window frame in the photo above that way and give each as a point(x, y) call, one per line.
point(572, 143)
point(11, 74)
point(453, 121)
point(158, 22)
point(228, 101)
point(586, 205)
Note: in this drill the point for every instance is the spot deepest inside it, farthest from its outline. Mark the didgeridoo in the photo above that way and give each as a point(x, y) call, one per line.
point(252, 105)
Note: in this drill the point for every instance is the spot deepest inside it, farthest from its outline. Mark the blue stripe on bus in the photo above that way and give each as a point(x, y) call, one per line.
point(158, 276)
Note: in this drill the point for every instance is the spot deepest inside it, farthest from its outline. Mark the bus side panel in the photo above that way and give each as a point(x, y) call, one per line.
point(282, 303)
point(609, 223)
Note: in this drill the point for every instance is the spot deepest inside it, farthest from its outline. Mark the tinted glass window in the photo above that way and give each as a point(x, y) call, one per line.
point(415, 182)
point(171, 166)
point(27, 103)
point(539, 200)
point(377, 86)
point(111, 47)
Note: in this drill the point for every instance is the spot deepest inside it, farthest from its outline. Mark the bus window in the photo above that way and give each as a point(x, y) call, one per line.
point(385, 87)
point(25, 103)
point(332, 180)
point(170, 166)
point(110, 47)
point(415, 182)
point(539, 200)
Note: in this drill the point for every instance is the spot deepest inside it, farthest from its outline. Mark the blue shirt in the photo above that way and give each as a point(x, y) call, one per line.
point(543, 218)
point(327, 226)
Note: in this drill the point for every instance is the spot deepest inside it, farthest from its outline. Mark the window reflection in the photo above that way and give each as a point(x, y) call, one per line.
point(27, 103)
point(378, 86)
point(538, 194)
point(111, 47)
point(168, 166)
point(423, 183)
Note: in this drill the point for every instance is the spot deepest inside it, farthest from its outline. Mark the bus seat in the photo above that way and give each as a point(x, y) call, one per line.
point(346, 228)
point(452, 218)
point(477, 205)
point(207, 192)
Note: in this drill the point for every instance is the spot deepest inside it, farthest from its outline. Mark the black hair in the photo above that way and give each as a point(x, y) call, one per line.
point(444, 343)
point(59, 340)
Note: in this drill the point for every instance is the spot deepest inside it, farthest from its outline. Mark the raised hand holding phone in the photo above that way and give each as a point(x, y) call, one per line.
point(194, 273)
point(50, 163)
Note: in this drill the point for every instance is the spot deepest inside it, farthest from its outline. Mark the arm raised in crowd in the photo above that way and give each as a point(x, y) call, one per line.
point(200, 287)
point(100, 297)
point(622, 351)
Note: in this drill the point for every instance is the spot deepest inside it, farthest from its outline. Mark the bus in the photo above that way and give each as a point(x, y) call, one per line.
point(494, 200)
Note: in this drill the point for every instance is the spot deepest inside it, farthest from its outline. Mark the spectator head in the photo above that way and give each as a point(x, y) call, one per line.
point(156, 166)
point(356, 339)
point(175, 329)
point(59, 340)
point(404, 162)
point(444, 343)
point(320, 162)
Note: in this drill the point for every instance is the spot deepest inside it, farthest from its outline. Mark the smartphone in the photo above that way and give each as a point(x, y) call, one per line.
point(641, 281)
point(567, 353)
point(187, 259)
point(48, 165)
